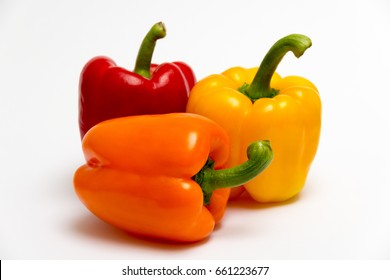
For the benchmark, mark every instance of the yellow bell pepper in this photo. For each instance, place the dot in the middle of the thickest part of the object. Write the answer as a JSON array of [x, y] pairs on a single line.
[[258, 104]]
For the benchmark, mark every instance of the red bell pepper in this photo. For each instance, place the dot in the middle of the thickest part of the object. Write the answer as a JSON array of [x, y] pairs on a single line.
[[107, 91]]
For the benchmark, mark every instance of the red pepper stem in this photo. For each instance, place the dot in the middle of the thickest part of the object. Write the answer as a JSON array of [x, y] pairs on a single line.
[[260, 86], [259, 155], [145, 53]]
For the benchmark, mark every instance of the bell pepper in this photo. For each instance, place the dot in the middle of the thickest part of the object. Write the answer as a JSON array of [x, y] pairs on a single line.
[[258, 103], [108, 91], [160, 176]]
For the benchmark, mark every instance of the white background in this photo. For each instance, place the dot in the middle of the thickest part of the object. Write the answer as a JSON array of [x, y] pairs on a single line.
[[343, 212]]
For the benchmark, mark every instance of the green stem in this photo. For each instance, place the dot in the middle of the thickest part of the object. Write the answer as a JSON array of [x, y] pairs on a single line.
[[260, 86], [145, 53], [259, 155]]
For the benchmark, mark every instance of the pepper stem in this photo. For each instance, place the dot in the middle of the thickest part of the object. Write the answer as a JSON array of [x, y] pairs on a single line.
[[259, 155], [260, 86], [145, 53]]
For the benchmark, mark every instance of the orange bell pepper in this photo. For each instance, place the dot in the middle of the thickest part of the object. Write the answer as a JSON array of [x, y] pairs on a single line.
[[153, 175]]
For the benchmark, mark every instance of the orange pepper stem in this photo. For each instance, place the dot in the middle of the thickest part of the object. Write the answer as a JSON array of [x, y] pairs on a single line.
[[145, 53], [260, 86], [259, 155]]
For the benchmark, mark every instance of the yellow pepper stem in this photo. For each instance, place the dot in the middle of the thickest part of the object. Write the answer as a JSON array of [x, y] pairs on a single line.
[[260, 86]]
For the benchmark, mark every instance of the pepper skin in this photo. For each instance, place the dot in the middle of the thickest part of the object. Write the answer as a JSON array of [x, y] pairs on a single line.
[[257, 103], [107, 91], [147, 174]]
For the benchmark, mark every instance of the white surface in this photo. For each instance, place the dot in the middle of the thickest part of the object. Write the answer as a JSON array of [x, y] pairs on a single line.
[[344, 209]]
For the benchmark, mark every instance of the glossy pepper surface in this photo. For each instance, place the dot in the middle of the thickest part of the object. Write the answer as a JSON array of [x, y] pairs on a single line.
[[108, 91], [154, 175], [257, 103]]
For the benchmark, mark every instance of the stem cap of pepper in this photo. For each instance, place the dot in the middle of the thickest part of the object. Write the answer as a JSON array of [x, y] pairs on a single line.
[[260, 86], [145, 53], [259, 155]]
